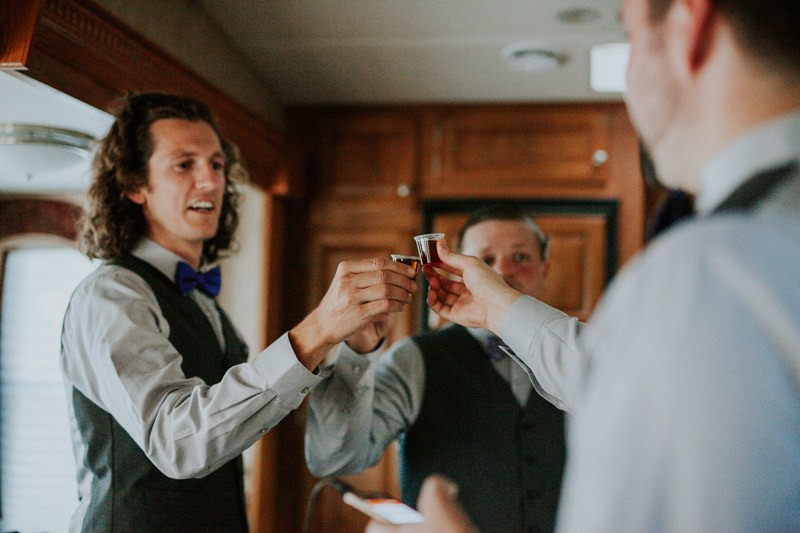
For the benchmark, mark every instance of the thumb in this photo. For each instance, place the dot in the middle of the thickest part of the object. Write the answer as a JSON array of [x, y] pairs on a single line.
[[438, 502], [455, 262]]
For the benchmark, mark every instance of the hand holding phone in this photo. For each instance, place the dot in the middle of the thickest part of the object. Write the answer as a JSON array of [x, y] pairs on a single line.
[[383, 508]]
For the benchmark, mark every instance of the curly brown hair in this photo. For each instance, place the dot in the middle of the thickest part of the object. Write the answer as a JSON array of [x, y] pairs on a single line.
[[113, 224]]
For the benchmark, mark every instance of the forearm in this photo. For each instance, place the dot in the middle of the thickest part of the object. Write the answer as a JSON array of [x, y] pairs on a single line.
[[309, 341], [545, 341], [188, 428]]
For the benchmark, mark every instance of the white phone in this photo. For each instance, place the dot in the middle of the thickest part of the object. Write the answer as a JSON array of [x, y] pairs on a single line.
[[384, 508]]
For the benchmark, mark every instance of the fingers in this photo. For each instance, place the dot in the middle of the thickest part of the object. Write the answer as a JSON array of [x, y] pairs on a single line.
[[437, 501], [443, 514], [373, 279], [379, 527], [373, 264], [453, 262]]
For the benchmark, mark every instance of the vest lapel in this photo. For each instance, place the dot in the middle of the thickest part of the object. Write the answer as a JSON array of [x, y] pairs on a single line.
[[754, 190]]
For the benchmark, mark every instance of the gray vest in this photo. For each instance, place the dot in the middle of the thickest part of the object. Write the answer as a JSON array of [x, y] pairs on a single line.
[[506, 460], [128, 492]]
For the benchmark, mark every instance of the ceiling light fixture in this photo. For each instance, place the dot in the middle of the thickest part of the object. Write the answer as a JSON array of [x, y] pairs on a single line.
[[578, 15], [532, 57], [31, 151]]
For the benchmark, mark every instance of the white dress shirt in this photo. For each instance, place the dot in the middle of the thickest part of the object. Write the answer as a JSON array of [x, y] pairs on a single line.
[[685, 393]]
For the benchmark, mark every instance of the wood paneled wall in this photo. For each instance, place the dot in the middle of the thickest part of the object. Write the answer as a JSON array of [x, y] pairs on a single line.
[[376, 174]]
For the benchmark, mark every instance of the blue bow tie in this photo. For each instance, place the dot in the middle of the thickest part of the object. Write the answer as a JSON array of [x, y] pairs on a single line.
[[496, 348], [187, 278]]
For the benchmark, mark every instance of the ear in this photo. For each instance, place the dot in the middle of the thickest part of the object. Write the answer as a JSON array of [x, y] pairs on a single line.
[[137, 196], [545, 268], [692, 22]]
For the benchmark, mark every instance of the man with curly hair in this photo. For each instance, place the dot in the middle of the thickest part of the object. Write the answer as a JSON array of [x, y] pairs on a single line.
[[161, 395]]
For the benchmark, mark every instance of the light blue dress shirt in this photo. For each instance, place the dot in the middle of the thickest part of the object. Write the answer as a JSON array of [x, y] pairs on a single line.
[[367, 400], [685, 392]]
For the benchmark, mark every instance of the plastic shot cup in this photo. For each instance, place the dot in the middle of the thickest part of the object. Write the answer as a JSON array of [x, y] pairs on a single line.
[[426, 246], [410, 260]]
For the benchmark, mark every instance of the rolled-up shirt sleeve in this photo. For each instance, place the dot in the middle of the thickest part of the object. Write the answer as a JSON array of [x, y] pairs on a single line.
[[116, 351]]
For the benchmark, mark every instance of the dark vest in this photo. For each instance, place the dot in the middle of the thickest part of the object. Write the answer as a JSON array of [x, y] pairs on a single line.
[[758, 189], [507, 461], [128, 492]]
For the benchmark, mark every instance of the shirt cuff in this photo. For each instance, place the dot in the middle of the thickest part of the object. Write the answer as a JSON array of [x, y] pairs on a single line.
[[283, 373], [352, 367], [523, 321]]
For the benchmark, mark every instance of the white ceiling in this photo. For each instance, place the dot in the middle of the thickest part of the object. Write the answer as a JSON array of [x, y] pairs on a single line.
[[398, 51]]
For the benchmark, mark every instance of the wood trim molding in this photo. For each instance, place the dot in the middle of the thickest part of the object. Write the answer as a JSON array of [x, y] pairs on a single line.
[[83, 50], [34, 216], [17, 22]]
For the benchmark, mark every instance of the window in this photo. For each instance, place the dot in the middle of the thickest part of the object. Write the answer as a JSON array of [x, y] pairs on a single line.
[[39, 491]]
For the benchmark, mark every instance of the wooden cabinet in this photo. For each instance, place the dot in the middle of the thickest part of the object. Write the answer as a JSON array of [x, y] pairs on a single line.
[[414, 154], [535, 151], [379, 176], [369, 154]]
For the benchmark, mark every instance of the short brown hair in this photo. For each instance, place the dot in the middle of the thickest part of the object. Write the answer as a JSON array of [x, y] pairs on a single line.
[[769, 30], [509, 212]]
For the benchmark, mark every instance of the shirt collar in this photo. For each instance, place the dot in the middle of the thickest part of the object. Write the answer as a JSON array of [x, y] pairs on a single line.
[[158, 256], [773, 144]]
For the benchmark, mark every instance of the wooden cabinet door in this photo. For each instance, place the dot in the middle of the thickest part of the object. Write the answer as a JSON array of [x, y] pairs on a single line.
[[370, 154], [534, 151]]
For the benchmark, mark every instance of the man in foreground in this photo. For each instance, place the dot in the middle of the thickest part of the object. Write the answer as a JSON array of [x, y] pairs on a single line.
[[686, 391]]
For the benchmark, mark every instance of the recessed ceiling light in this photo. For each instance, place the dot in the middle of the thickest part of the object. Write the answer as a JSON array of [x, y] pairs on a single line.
[[578, 15], [532, 57], [35, 155]]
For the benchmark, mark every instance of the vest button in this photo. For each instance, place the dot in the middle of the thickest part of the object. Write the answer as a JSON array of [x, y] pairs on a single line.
[[532, 494], [531, 460]]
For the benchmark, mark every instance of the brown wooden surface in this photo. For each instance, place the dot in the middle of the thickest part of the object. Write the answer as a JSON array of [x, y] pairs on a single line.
[[82, 50], [38, 216], [17, 24], [534, 151], [468, 152], [369, 154], [359, 155]]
